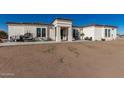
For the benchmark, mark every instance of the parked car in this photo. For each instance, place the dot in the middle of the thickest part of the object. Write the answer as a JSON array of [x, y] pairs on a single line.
[[26, 37]]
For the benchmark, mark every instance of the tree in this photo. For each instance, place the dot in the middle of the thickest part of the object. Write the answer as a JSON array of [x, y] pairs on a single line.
[[3, 35]]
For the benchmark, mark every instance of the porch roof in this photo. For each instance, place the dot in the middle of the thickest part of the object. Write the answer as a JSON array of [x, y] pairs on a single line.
[[65, 19]]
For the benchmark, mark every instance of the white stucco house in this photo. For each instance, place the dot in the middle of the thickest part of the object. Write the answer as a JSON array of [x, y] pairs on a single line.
[[62, 30]]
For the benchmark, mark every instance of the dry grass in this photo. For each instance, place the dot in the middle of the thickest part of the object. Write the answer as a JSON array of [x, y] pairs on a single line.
[[86, 59]]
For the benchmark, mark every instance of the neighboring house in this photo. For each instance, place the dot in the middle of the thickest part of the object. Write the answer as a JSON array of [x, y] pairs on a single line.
[[62, 30], [120, 36]]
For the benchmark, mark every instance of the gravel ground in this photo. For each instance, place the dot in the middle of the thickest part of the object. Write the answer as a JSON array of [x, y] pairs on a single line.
[[81, 59]]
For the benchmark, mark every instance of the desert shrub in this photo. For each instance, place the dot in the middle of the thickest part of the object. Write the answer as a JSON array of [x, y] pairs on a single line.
[[103, 39], [86, 38], [90, 38]]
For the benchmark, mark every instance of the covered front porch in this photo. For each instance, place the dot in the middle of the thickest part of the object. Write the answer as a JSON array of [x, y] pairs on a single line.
[[63, 33]]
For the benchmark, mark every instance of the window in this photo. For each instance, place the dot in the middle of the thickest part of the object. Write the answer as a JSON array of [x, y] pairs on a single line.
[[105, 32], [43, 32], [74, 33], [38, 32], [108, 32]]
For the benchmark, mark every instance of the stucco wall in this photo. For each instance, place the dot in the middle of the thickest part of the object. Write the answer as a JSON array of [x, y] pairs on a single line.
[[98, 33], [30, 29], [113, 33], [89, 32], [52, 33], [17, 30]]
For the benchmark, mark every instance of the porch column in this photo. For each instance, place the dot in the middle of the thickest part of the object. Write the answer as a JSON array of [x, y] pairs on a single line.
[[46, 33], [58, 37], [70, 34]]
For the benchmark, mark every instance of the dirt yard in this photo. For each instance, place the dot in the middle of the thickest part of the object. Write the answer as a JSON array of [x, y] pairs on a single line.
[[86, 59]]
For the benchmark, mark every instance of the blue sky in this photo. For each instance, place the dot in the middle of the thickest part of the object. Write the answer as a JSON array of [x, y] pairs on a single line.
[[78, 19]]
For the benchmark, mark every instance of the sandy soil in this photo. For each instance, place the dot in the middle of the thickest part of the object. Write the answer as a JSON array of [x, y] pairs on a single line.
[[86, 59]]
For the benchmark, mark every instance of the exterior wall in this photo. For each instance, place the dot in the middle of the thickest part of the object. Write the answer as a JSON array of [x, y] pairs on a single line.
[[52, 34], [17, 30], [98, 35], [30, 29], [113, 33], [89, 32]]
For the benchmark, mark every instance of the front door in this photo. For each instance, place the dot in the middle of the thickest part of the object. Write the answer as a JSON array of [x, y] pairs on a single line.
[[64, 34]]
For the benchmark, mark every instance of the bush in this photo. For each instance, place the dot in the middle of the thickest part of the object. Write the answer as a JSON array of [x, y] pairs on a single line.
[[103, 39], [86, 38], [90, 38], [0, 41]]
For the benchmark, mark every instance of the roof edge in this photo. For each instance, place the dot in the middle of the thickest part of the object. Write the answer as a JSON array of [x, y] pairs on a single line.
[[28, 23], [101, 25]]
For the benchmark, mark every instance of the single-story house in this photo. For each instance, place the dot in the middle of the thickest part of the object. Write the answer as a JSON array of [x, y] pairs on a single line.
[[62, 30]]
